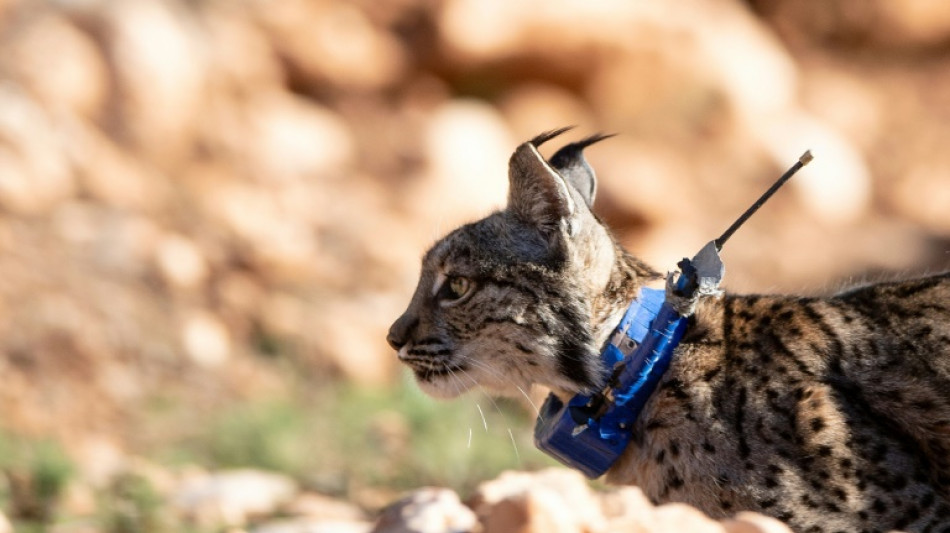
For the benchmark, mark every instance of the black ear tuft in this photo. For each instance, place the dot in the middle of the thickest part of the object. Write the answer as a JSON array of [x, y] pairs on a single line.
[[548, 135], [570, 163], [537, 193]]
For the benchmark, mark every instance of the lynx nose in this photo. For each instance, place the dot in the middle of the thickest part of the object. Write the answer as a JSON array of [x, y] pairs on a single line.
[[400, 331]]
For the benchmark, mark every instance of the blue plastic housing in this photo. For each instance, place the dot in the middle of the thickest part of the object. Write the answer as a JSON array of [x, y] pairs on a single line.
[[589, 437]]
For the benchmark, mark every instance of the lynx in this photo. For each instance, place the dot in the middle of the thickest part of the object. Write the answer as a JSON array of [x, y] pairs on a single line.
[[830, 414]]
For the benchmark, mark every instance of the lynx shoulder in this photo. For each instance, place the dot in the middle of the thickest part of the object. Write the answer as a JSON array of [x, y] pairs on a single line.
[[831, 414]]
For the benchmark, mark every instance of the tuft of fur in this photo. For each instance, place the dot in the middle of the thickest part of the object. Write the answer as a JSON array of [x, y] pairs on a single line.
[[831, 414]]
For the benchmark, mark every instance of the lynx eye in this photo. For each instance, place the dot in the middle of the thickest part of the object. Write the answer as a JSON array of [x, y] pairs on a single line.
[[454, 289]]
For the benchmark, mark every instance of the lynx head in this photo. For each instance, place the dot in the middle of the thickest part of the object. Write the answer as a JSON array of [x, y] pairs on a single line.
[[526, 295]]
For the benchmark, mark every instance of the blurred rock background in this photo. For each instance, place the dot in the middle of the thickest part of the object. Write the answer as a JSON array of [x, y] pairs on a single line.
[[210, 212]]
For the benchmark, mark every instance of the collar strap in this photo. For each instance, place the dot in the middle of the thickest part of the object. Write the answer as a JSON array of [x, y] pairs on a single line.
[[592, 430]]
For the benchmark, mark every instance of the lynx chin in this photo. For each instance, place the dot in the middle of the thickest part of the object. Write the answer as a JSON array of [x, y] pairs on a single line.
[[830, 414]]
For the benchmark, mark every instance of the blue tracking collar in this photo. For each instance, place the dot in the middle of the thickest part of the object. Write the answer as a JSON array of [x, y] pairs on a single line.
[[591, 431]]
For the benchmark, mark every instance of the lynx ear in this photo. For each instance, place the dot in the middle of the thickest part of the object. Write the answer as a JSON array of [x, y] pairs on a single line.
[[537, 193], [570, 163]]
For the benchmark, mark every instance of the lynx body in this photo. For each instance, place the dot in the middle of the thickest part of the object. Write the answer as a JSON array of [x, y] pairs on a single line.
[[831, 414]]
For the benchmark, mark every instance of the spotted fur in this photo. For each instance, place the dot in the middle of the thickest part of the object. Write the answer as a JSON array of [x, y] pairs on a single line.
[[830, 414]]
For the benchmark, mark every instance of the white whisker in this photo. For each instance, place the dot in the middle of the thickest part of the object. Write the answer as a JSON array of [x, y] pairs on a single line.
[[501, 413], [483, 366], [484, 421], [515, 445], [459, 388], [537, 411]]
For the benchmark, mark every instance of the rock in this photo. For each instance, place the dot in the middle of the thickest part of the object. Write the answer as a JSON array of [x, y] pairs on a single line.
[[240, 294], [110, 174], [280, 246], [681, 517], [762, 79], [836, 186], [638, 180], [338, 331], [118, 242], [427, 510], [161, 71], [746, 522], [232, 497], [36, 175], [313, 525], [100, 460], [846, 101], [922, 195], [287, 246], [335, 43], [78, 499], [911, 24], [555, 500], [467, 150], [533, 107], [283, 315], [481, 30], [181, 262], [295, 138], [59, 64], [531, 512], [206, 339], [241, 56], [539, 501], [322, 507], [627, 504]]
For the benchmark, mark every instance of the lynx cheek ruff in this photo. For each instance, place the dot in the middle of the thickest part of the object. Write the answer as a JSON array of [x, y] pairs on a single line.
[[590, 432]]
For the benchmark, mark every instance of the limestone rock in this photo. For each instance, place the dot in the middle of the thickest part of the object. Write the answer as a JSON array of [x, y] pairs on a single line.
[[836, 186], [160, 68], [427, 510], [680, 517], [340, 336], [627, 509], [553, 498], [556, 500], [746, 522], [334, 42], [322, 507], [35, 173], [59, 64], [206, 339], [467, 150], [911, 24], [922, 195], [296, 138], [242, 58], [109, 174], [232, 497], [181, 261], [533, 107], [313, 525]]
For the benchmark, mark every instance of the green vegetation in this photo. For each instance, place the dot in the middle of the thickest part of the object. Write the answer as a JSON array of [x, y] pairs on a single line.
[[342, 438], [35, 475], [405, 439], [131, 505], [334, 439]]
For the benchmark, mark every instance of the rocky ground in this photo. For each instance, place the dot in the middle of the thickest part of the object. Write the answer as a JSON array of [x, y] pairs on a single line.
[[548, 501], [200, 199]]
